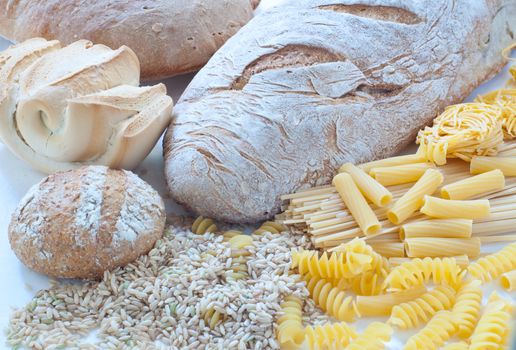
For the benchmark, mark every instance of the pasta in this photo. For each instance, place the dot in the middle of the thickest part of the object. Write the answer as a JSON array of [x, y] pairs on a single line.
[[506, 100], [381, 305], [270, 226], [393, 161], [420, 271], [461, 260], [413, 313], [370, 188], [290, 332], [356, 203], [239, 255], [462, 131], [484, 164], [508, 280], [439, 247], [466, 310], [491, 266], [371, 282], [475, 185], [456, 346], [492, 330], [400, 174], [202, 225], [412, 200], [446, 208], [373, 337], [445, 228], [440, 328], [213, 317], [331, 299], [389, 249], [230, 234], [330, 336]]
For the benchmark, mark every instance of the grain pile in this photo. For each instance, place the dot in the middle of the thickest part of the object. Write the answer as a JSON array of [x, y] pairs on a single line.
[[160, 300]]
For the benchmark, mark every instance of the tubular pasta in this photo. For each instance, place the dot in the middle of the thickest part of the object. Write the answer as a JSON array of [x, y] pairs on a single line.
[[400, 174], [483, 164], [393, 161], [389, 249], [412, 200], [330, 336], [440, 328], [444, 228], [461, 260], [373, 337], [466, 310], [381, 305], [491, 266], [356, 203], [446, 208], [370, 188], [290, 332], [440, 247], [475, 185], [508, 280]]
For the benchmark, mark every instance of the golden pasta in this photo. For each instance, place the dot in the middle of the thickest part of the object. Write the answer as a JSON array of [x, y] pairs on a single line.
[[507, 165], [508, 280], [440, 328], [202, 225], [330, 336], [491, 266], [389, 249], [290, 331], [239, 255], [373, 337], [506, 100], [444, 228], [474, 186], [393, 161], [442, 247], [466, 310], [370, 188], [400, 174], [356, 203], [370, 282], [447, 208], [412, 200], [381, 305], [270, 226], [461, 260]]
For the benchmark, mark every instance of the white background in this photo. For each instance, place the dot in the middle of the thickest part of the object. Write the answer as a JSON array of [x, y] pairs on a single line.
[[19, 284]]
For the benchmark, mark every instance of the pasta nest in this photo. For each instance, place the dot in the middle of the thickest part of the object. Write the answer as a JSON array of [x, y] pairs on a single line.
[[492, 330], [493, 265], [290, 329], [201, 225], [434, 334], [372, 338], [462, 131], [466, 310], [330, 336], [506, 100]]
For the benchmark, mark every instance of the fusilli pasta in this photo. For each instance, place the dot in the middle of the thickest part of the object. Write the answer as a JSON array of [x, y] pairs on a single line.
[[290, 330], [466, 310], [239, 255], [440, 328], [373, 337], [270, 226], [493, 265], [330, 336], [201, 225]]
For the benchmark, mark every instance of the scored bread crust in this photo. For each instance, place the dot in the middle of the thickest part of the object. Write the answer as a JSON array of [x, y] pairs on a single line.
[[169, 37], [327, 82], [80, 223]]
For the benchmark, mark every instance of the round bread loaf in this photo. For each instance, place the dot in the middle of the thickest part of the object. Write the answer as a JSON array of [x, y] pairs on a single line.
[[80, 223]]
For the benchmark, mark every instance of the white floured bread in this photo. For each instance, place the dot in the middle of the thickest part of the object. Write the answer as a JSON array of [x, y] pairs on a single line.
[[169, 36], [80, 223], [312, 84], [62, 108]]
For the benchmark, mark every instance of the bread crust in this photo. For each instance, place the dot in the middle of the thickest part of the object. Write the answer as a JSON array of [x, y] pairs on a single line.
[[328, 82], [169, 37], [80, 223]]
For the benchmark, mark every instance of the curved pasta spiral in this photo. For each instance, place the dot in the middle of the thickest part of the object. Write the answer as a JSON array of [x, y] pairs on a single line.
[[373, 337], [440, 328], [494, 265], [201, 225], [371, 282], [230, 234], [239, 255], [330, 336], [420, 310], [212, 317], [419, 271], [270, 226], [466, 310], [290, 330], [331, 299]]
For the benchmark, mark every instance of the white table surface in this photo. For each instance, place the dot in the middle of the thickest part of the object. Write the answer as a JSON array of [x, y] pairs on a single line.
[[19, 284]]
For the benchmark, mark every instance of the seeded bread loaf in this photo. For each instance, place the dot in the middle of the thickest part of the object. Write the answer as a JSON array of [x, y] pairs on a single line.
[[169, 36], [327, 82], [80, 223]]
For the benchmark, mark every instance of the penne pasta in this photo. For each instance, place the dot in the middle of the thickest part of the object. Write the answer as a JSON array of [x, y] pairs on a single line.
[[356, 203], [393, 161], [461, 260], [388, 249], [381, 305], [483, 164], [370, 188], [475, 185], [412, 200], [444, 228], [508, 280], [445, 208], [423, 247], [400, 174]]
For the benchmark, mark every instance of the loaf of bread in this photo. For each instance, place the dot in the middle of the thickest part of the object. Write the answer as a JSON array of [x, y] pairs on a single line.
[[312, 84], [80, 223], [169, 36]]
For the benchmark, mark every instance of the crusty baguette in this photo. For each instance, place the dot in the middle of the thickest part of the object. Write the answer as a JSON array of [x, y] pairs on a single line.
[[169, 36], [312, 84]]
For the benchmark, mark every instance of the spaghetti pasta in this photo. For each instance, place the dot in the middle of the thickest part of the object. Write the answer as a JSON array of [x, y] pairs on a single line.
[[381, 305], [412, 200], [447, 208], [442, 247], [475, 185], [508, 280], [370, 188], [444, 228], [484, 164], [506, 100], [400, 174]]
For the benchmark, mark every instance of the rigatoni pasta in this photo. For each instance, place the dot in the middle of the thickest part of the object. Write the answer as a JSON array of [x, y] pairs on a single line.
[[356, 203], [475, 185], [422, 247], [389, 249], [461, 260], [483, 164], [412, 200], [447, 208], [508, 280], [393, 161], [370, 188], [445, 228], [381, 305], [400, 174]]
